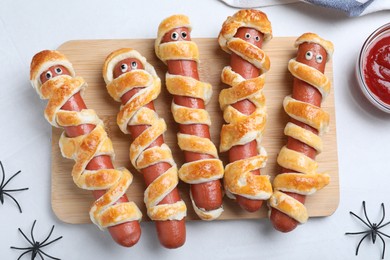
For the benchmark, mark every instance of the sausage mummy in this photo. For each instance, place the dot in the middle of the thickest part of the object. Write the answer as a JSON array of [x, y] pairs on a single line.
[[243, 105], [308, 122], [133, 81], [86, 142], [203, 169]]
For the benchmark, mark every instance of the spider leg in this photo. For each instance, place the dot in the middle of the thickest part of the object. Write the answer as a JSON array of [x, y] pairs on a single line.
[[15, 190], [17, 203], [32, 231], [383, 214], [5, 184], [52, 257], [360, 219], [31, 243], [357, 249], [365, 213], [20, 248], [39, 253], [383, 234], [2, 169], [28, 251], [384, 246], [384, 225], [48, 243], [358, 233], [51, 231]]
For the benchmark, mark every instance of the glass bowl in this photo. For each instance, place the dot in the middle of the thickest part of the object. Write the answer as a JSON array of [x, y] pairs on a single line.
[[379, 34]]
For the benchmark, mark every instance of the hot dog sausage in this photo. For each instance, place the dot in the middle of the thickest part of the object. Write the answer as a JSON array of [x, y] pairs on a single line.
[[306, 93], [247, 71], [171, 233], [314, 55], [126, 234], [242, 36], [206, 195]]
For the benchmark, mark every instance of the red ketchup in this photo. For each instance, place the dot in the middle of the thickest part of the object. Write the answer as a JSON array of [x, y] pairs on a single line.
[[377, 69]]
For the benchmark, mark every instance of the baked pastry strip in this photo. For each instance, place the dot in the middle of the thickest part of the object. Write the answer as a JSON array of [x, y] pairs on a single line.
[[202, 169], [91, 150], [308, 121], [244, 108], [133, 81]]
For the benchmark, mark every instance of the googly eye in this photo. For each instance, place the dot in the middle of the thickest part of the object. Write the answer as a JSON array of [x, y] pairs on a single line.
[[48, 75], [175, 36], [309, 55], [319, 58], [134, 65], [184, 35], [247, 36], [257, 38], [58, 70], [124, 67]]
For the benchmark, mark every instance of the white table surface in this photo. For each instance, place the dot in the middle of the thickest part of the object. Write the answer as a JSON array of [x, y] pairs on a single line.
[[363, 133]]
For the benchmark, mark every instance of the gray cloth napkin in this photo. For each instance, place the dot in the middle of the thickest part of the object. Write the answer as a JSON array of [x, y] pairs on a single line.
[[351, 7]]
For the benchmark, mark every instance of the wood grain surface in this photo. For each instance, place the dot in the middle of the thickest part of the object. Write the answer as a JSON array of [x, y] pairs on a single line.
[[72, 204]]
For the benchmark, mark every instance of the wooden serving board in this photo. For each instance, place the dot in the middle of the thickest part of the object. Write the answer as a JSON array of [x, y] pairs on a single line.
[[72, 204]]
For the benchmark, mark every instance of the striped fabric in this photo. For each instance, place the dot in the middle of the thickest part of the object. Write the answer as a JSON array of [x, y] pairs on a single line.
[[350, 7]]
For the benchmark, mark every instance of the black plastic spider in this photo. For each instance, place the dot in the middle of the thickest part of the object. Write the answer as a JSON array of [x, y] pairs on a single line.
[[6, 192], [36, 246], [373, 229]]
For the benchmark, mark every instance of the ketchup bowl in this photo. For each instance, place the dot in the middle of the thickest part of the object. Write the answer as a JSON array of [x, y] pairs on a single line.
[[373, 68]]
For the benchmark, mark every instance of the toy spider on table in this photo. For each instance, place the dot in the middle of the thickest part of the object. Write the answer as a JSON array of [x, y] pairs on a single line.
[[373, 229], [36, 247], [5, 192]]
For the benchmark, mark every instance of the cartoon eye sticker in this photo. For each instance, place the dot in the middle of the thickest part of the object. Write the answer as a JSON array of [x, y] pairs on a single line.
[[309, 55], [257, 38], [247, 36], [58, 70], [184, 35], [48, 75], [124, 67], [319, 58], [175, 36], [134, 65]]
